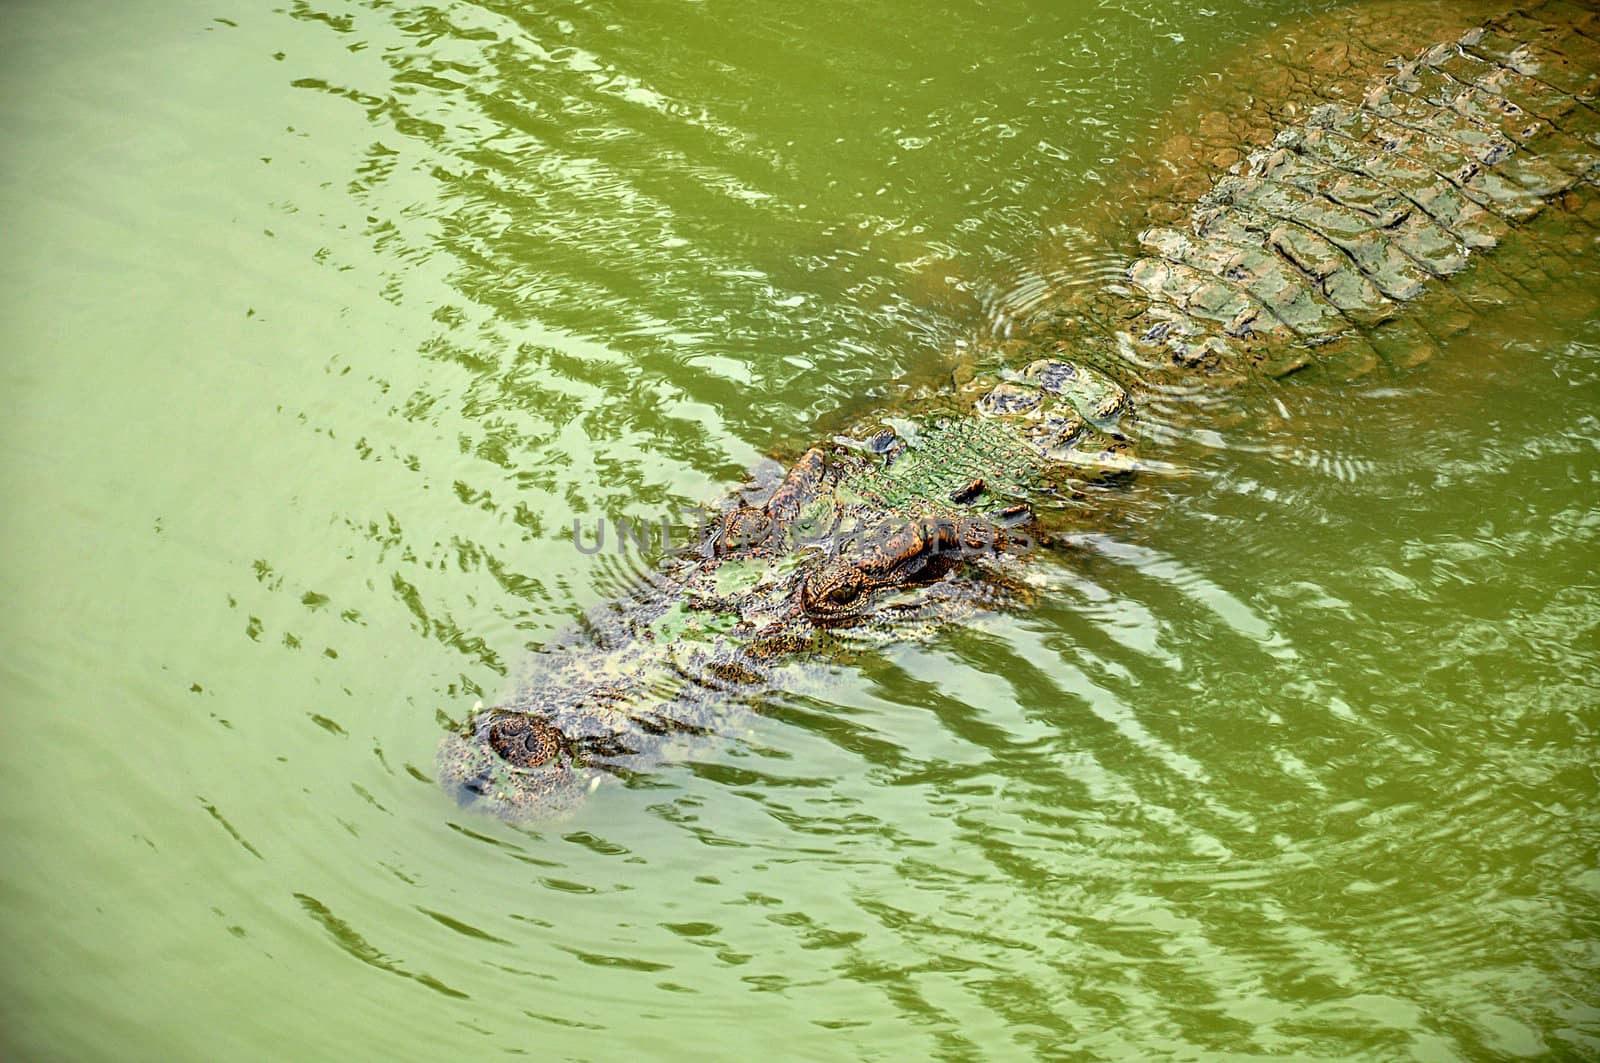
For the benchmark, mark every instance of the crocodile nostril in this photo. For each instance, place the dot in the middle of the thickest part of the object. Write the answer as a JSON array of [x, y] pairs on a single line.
[[523, 741]]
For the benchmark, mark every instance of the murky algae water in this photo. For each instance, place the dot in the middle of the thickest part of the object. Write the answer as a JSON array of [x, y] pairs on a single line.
[[324, 322]]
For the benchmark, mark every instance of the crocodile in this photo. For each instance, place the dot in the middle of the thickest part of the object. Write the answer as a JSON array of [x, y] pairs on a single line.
[[1315, 248]]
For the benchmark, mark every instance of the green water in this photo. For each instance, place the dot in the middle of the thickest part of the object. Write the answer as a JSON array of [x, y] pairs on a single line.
[[323, 322]]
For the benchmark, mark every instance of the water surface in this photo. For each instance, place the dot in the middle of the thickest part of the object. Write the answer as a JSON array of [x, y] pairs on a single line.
[[323, 324]]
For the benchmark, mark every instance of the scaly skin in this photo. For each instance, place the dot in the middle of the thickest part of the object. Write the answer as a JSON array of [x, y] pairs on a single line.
[[1303, 254]]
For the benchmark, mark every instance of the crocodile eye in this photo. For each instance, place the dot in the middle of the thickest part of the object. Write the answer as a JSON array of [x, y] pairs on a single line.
[[844, 593], [832, 590]]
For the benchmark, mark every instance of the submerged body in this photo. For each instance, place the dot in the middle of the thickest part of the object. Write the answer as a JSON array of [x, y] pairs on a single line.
[[1306, 253]]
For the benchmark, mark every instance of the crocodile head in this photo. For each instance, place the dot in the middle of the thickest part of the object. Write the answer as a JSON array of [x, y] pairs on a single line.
[[859, 536], [705, 632]]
